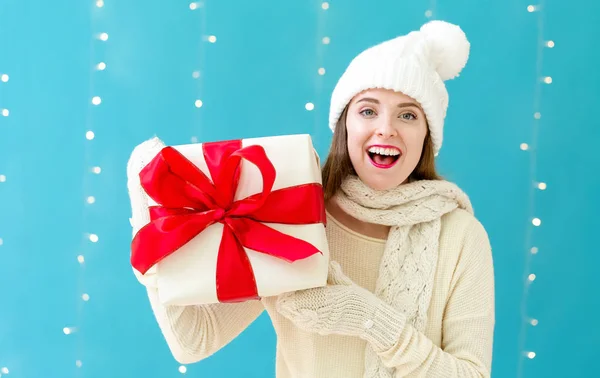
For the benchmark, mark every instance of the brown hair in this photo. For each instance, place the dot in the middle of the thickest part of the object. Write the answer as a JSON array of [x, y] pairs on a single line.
[[338, 164]]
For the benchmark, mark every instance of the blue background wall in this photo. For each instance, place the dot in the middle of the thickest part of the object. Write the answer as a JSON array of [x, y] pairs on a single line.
[[255, 80]]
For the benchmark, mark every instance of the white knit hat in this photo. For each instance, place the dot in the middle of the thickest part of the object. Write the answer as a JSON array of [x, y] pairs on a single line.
[[416, 64]]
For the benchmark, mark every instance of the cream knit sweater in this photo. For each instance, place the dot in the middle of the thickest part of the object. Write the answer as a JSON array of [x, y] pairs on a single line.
[[460, 325]]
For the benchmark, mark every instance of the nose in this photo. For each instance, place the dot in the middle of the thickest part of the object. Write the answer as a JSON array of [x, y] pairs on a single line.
[[386, 129]]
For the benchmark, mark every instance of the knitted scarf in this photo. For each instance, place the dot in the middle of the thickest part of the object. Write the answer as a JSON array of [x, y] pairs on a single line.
[[408, 265]]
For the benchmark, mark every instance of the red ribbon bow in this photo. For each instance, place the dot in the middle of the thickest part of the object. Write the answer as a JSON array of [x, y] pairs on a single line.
[[190, 202]]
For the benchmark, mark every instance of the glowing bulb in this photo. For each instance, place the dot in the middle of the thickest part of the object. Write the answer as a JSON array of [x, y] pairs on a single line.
[[550, 44], [4, 78], [325, 5], [212, 39], [321, 71], [89, 135], [309, 106], [97, 170], [93, 238], [80, 259], [2, 178], [196, 74], [531, 8], [104, 37], [4, 370], [542, 186], [428, 13], [531, 277], [85, 297], [5, 112], [198, 103], [534, 250], [101, 66], [534, 322], [531, 355], [537, 115], [99, 3], [96, 100], [182, 369], [67, 330], [326, 40], [78, 363], [193, 6], [91, 200], [524, 146], [536, 221], [548, 80]]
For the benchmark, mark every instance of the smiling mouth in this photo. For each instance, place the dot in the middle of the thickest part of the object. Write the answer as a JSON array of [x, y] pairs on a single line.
[[384, 156]]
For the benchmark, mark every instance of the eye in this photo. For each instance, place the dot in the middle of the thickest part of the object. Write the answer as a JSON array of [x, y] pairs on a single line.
[[408, 116], [367, 112]]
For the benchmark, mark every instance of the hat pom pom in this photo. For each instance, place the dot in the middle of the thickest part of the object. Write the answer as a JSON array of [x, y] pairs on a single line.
[[449, 48]]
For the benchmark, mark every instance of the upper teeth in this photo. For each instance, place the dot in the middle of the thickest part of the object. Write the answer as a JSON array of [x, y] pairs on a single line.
[[384, 151]]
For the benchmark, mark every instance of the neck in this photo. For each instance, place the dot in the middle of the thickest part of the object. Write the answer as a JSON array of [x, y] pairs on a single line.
[[372, 230]]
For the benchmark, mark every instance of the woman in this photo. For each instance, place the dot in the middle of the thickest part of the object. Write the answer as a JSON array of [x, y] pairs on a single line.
[[411, 283]]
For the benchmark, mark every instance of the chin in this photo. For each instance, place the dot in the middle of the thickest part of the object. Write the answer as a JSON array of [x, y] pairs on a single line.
[[381, 184]]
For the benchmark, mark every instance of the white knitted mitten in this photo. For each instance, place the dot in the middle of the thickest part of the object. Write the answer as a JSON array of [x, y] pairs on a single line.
[[140, 157], [343, 308]]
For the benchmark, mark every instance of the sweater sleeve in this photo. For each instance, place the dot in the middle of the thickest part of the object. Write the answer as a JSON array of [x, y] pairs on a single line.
[[191, 332], [468, 324]]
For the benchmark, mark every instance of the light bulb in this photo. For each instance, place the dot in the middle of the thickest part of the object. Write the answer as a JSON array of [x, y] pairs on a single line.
[[534, 322], [81, 259], [196, 74], [309, 106], [4, 370], [85, 297], [531, 355], [101, 66], [534, 250], [428, 13], [104, 36], [2, 178], [212, 39], [93, 238], [550, 44], [99, 3], [198, 103], [96, 100], [325, 5], [537, 115], [531, 277], [89, 135], [326, 40], [91, 200], [542, 186], [531, 8], [5, 112], [67, 330], [524, 146], [182, 369], [4, 78], [321, 71], [97, 170], [193, 6], [536, 221], [548, 80]]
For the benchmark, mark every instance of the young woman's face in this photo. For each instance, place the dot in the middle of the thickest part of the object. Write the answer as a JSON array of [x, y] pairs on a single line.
[[386, 131]]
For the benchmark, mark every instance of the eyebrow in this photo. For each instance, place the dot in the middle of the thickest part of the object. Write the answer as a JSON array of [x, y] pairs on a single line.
[[401, 105]]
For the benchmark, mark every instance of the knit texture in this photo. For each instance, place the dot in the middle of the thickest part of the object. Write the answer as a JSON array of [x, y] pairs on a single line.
[[408, 266], [455, 342], [415, 64]]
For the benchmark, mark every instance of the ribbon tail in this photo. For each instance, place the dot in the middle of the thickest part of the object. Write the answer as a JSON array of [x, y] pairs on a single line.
[[235, 277], [264, 239], [161, 237]]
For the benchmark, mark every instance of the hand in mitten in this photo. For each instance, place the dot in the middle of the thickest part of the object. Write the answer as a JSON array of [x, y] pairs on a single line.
[[140, 216], [343, 308]]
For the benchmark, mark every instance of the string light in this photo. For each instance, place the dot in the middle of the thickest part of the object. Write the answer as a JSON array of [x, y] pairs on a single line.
[[96, 100], [91, 200], [326, 40], [4, 78], [2, 178], [93, 238], [101, 66], [89, 135], [532, 251], [212, 39], [4, 370], [524, 146], [97, 170], [325, 5], [5, 112], [198, 103], [69, 330], [321, 71], [99, 3], [309, 106], [182, 369], [196, 74], [80, 259], [103, 37], [85, 297], [428, 13]]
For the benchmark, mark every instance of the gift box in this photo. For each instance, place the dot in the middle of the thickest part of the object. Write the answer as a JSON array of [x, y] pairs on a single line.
[[233, 221]]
